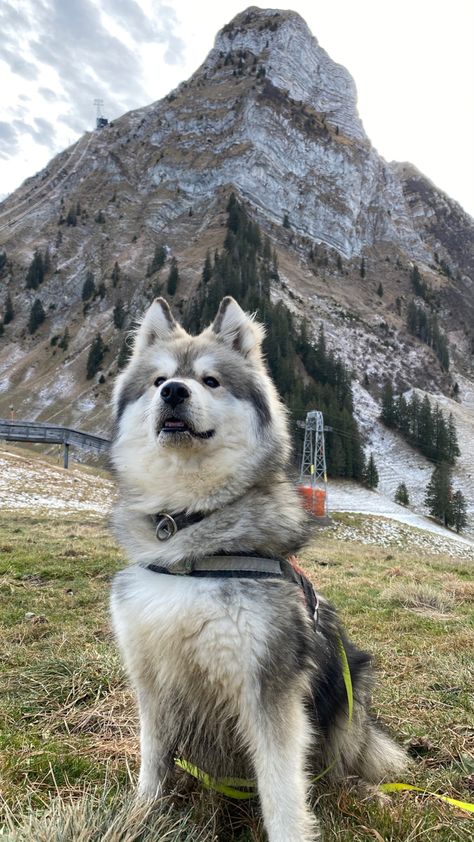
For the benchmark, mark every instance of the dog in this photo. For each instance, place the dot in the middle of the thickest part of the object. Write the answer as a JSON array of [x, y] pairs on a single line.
[[231, 669]]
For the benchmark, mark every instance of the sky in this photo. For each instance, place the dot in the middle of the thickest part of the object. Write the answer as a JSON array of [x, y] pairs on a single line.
[[412, 61]]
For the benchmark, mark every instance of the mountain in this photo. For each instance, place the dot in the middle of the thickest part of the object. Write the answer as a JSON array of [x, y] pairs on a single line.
[[359, 242]]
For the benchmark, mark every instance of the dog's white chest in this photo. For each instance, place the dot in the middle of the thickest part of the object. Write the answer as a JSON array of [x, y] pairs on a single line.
[[179, 625]]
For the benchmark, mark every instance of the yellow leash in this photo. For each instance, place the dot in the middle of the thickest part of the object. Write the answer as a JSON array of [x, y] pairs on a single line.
[[242, 789]]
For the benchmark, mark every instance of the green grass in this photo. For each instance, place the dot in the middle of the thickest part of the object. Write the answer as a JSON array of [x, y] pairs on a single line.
[[68, 724]]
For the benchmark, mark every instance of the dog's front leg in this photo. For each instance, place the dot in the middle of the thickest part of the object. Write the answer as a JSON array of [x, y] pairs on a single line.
[[279, 745], [156, 752]]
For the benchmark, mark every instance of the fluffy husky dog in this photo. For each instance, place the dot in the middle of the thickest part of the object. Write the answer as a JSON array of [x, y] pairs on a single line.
[[230, 671]]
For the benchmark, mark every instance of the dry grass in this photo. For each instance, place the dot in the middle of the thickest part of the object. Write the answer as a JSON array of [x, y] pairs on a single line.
[[68, 739]]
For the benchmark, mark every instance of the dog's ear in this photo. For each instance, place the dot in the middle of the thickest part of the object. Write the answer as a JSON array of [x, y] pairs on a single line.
[[158, 324], [237, 329]]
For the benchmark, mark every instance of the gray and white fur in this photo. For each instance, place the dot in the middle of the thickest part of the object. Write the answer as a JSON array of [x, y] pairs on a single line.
[[229, 673]]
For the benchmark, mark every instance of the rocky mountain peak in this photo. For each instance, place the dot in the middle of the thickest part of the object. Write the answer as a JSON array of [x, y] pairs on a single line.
[[293, 62]]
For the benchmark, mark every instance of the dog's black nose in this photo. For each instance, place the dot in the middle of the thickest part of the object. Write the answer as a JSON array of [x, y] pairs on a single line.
[[174, 393]]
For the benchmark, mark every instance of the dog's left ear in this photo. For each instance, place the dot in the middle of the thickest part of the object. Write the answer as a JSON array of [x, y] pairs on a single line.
[[237, 329]]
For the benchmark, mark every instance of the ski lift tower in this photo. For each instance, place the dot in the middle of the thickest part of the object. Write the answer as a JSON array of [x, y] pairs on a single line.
[[313, 474], [100, 121]]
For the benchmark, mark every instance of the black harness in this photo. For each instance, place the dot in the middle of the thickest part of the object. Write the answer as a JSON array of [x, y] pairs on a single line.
[[233, 565]]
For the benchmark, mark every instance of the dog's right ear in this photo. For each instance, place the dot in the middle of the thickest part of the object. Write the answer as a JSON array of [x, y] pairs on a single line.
[[158, 324]]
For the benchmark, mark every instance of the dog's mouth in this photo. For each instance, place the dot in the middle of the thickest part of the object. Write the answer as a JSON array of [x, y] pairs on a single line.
[[177, 426]]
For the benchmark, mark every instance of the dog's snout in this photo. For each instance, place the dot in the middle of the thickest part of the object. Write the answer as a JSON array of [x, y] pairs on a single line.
[[174, 393]]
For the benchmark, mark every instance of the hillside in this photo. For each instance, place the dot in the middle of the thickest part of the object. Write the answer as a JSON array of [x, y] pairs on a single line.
[[270, 117]]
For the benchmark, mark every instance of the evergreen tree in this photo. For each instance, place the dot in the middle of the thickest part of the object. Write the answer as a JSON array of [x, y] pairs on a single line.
[[452, 447], [119, 314], [95, 357], [71, 218], [402, 415], [88, 288], [9, 313], [388, 414], [124, 354], [371, 476], [207, 268], [47, 261], [401, 495], [459, 511], [173, 278], [286, 221], [426, 428], [35, 274], [380, 290], [362, 268], [37, 316], [3, 260], [440, 440], [115, 274], [438, 496], [2, 329]]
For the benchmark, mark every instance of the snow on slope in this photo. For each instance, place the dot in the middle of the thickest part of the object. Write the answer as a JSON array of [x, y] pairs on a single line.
[[29, 482], [398, 462]]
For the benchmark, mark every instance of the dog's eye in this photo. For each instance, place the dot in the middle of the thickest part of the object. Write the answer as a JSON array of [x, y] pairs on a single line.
[[159, 381], [211, 382]]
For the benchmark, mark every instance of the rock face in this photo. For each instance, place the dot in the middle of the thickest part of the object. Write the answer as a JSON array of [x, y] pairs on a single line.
[[270, 116]]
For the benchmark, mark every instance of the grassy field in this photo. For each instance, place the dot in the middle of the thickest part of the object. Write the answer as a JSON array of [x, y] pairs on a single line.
[[68, 739]]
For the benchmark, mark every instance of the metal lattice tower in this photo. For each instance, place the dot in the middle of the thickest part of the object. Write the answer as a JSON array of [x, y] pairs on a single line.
[[101, 122], [99, 104], [313, 463]]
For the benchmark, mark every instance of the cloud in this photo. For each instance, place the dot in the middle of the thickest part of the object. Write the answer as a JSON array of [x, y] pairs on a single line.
[[48, 94], [90, 61], [43, 132], [8, 140], [17, 64], [76, 54]]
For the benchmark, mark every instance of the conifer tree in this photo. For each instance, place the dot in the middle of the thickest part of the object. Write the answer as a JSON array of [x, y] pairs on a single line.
[[173, 277], [124, 354], [115, 274], [388, 415], [453, 447], [402, 415], [71, 218], [88, 287], [35, 274], [438, 498], [371, 476], [95, 357], [37, 316], [9, 313], [380, 289], [426, 428], [459, 511], [401, 495], [119, 314], [207, 268], [3, 260], [47, 261]]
